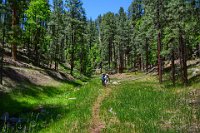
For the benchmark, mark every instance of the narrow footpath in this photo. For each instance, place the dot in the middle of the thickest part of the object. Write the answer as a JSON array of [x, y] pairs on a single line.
[[97, 125]]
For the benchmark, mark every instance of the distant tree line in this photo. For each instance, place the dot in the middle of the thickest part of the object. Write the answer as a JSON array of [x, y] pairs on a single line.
[[150, 34], [147, 35]]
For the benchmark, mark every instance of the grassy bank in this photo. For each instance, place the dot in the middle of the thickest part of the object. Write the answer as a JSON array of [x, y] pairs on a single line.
[[66, 108]]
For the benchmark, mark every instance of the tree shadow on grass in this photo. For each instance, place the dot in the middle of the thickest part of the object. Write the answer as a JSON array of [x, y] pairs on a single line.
[[36, 109], [194, 79], [40, 116], [24, 87], [178, 84], [19, 78], [32, 101], [15, 76], [44, 117], [34, 120], [61, 77], [169, 85], [12, 103]]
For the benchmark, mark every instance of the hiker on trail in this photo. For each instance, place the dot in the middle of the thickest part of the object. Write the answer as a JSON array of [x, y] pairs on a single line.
[[103, 79], [107, 79]]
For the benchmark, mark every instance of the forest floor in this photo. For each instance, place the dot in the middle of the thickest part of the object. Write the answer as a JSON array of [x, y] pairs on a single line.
[[48, 101]]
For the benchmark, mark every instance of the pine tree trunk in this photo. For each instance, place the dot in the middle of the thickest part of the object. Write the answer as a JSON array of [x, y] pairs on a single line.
[[140, 62], [183, 59], [28, 49], [2, 57], [147, 56], [199, 50], [56, 65], [56, 57], [72, 54], [109, 54], [159, 58], [1, 65], [51, 62], [118, 60], [173, 67], [115, 57], [81, 58], [36, 50], [72, 62], [14, 24], [36, 54], [121, 63], [135, 65], [159, 2], [125, 61]]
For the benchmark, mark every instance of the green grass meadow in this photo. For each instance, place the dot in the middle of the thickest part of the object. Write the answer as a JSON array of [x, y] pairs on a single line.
[[144, 106], [140, 106]]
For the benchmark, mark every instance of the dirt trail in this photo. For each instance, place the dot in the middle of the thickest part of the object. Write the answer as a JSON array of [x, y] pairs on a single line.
[[97, 124]]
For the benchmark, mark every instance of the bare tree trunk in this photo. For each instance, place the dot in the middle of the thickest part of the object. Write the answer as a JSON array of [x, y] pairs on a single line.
[[14, 24], [28, 49], [109, 53], [125, 61], [72, 54], [147, 56], [72, 61], [56, 56], [56, 65], [2, 57], [121, 62], [159, 58], [50, 65], [159, 2], [115, 56], [140, 62], [183, 59], [173, 67], [199, 50], [82, 70], [118, 60], [1, 64]]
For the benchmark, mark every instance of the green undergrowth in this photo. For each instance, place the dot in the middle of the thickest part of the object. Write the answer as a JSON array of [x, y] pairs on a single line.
[[66, 108], [144, 106]]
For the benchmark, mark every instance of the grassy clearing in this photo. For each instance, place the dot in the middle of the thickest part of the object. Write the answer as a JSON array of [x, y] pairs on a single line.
[[145, 106], [66, 108], [133, 106]]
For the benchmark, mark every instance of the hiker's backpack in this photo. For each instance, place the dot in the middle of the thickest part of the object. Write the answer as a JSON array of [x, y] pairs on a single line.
[[103, 78]]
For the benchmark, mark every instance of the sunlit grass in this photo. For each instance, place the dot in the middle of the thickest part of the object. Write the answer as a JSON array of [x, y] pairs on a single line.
[[145, 106]]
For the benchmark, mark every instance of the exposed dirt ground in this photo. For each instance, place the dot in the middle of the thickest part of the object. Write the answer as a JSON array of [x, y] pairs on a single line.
[[120, 76], [97, 124], [13, 76]]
